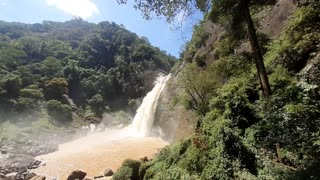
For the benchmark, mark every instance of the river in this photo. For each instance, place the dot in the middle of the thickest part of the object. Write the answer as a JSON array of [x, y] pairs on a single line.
[[98, 151]]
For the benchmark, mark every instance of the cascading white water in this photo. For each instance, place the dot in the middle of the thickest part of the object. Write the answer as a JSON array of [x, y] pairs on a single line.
[[100, 150], [143, 121]]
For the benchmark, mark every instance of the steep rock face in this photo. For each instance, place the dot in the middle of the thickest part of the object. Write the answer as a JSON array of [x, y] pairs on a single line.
[[272, 19], [175, 121]]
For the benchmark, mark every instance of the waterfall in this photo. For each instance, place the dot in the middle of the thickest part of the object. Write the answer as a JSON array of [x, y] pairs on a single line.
[[96, 150], [143, 121]]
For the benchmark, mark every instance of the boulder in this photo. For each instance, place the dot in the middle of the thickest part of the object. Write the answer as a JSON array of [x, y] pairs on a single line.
[[108, 172], [3, 151], [30, 175], [78, 174], [3, 177], [144, 159]]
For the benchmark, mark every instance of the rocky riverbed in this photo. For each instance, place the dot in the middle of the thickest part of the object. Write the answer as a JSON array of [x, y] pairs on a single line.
[[17, 155]]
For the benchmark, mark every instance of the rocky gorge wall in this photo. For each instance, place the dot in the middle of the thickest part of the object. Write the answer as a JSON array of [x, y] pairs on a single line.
[[175, 121]]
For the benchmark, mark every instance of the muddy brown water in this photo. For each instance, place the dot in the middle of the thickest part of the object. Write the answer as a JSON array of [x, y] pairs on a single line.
[[97, 152]]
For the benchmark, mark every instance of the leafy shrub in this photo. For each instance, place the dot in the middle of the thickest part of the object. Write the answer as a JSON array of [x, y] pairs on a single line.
[[298, 40], [24, 103], [28, 99], [198, 86], [56, 88], [290, 119], [236, 100], [128, 170], [97, 105], [200, 60], [123, 173], [231, 66], [59, 111]]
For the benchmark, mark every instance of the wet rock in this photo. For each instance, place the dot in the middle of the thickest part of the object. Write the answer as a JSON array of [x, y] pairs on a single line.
[[30, 176], [108, 172], [13, 174], [3, 177], [97, 177], [144, 159], [78, 174], [38, 178], [4, 171], [34, 165], [3, 151]]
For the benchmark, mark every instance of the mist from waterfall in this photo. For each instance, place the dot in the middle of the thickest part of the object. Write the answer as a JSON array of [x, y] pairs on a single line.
[[137, 140]]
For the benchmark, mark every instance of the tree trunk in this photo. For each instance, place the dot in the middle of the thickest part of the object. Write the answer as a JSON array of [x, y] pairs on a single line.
[[264, 82]]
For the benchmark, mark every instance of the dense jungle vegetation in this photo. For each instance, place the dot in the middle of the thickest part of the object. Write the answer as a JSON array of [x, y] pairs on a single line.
[[74, 66], [243, 133]]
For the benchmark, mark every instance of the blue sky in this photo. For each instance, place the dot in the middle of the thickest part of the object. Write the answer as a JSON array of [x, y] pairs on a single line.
[[159, 33]]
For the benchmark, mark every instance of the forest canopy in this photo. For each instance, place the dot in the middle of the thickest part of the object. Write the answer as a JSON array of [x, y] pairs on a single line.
[[91, 65]]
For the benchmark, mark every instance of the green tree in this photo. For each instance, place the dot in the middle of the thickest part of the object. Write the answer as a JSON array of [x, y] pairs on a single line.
[[199, 87], [11, 84], [236, 10], [24, 103], [32, 46], [12, 57], [53, 66], [26, 75], [97, 105], [239, 12], [56, 88], [35, 94], [59, 111]]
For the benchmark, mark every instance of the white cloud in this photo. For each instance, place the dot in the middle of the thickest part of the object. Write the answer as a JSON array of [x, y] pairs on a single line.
[[80, 8]]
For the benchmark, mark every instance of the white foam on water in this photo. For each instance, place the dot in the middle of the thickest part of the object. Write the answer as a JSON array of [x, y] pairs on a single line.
[[107, 149]]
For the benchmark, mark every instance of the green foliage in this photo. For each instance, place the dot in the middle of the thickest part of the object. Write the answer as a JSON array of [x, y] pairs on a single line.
[[198, 86], [281, 78], [129, 170], [24, 104], [28, 99], [298, 40], [123, 173], [231, 66], [56, 88], [168, 9], [31, 93], [227, 43], [53, 65], [97, 105], [60, 112], [293, 122], [215, 153], [11, 56], [242, 135], [75, 60], [11, 85], [236, 100]]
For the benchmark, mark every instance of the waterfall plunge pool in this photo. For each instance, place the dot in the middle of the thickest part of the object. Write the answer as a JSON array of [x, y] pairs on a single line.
[[98, 151]]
